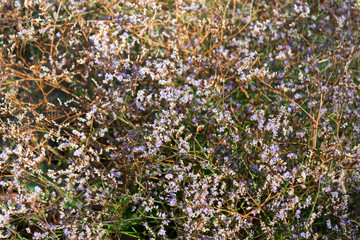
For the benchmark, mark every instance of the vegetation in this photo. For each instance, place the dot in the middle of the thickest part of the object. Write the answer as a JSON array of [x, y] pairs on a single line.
[[180, 119]]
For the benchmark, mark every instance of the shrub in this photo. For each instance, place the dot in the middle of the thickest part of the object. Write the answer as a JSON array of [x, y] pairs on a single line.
[[179, 119]]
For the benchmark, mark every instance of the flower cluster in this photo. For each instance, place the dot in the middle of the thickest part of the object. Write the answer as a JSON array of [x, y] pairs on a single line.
[[179, 119]]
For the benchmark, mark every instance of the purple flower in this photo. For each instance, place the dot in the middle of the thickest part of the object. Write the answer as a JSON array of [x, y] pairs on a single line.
[[66, 231], [286, 175], [328, 223], [37, 235], [116, 174], [254, 117], [169, 176], [37, 189], [254, 168], [162, 232], [189, 210], [335, 194], [158, 143], [172, 201]]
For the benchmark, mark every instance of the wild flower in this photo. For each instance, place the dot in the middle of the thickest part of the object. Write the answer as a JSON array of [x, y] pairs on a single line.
[[219, 120]]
